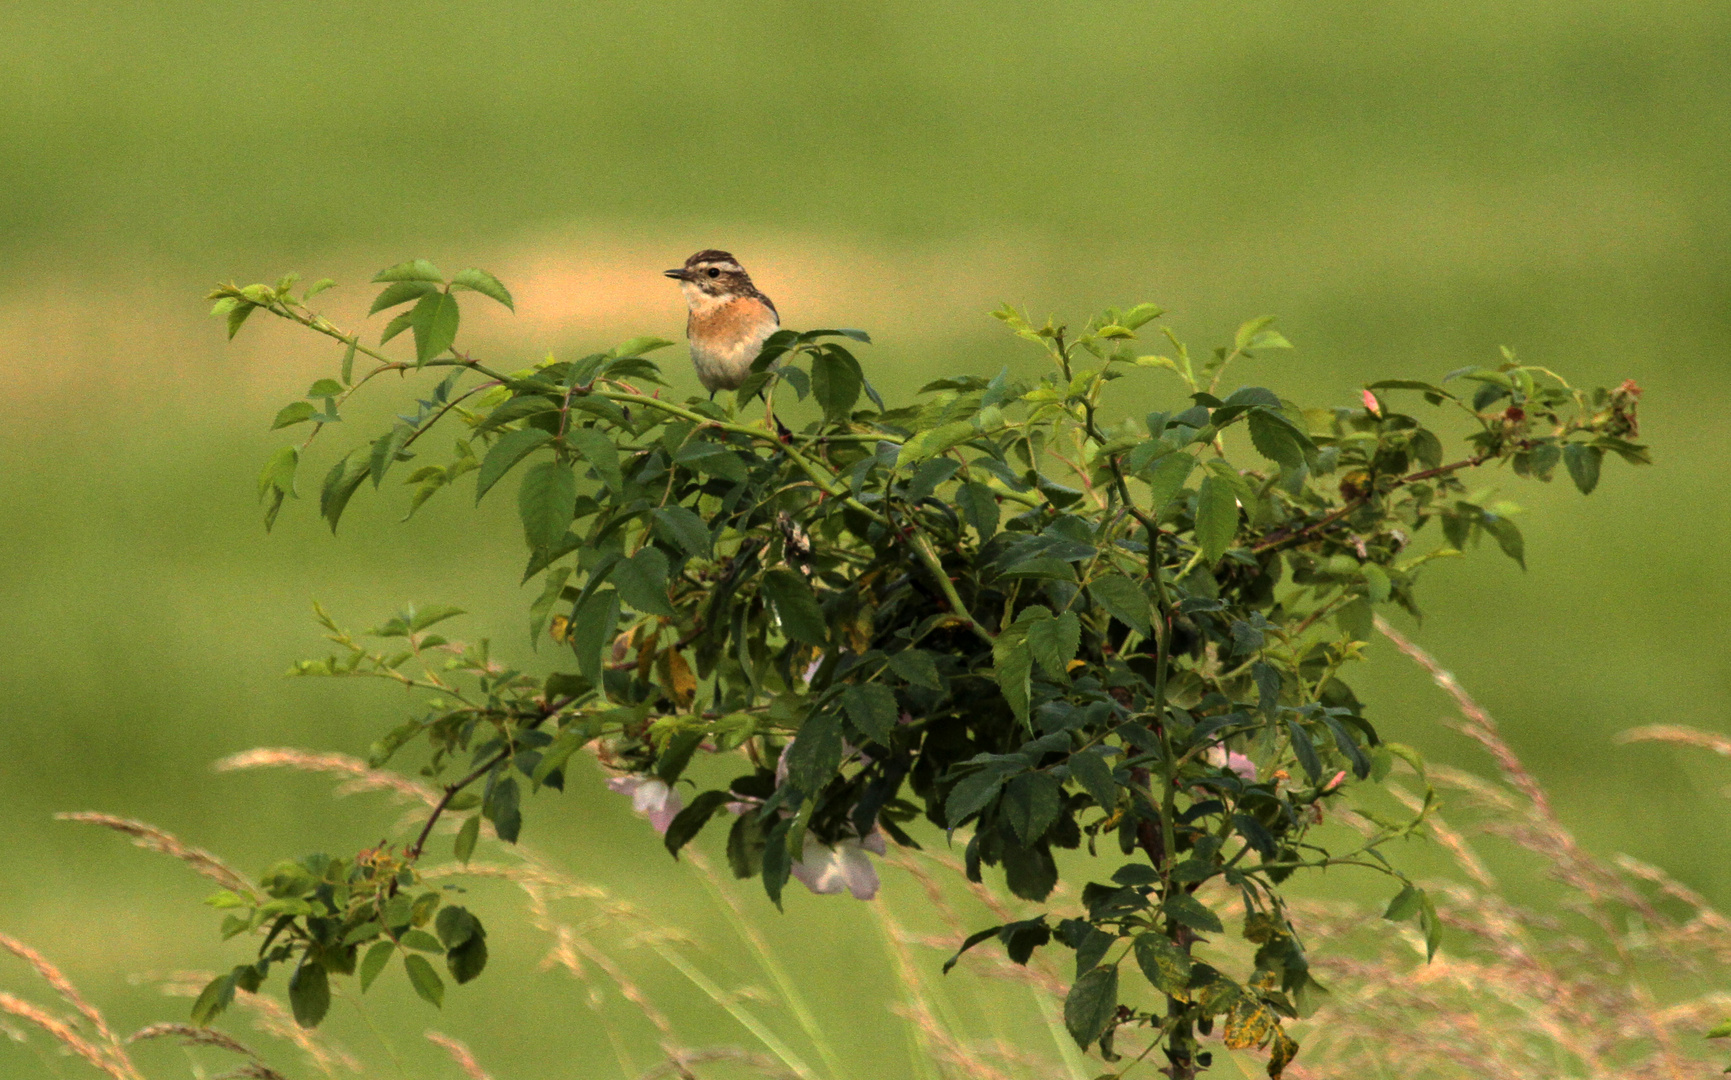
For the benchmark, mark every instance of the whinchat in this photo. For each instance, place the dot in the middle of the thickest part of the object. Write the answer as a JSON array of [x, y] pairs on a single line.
[[728, 320]]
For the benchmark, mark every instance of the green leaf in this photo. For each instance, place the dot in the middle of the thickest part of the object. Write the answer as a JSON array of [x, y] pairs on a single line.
[[1216, 518], [872, 708], [425, 980], [216, 996], [413, 270], [434, 321], [1719, 1030], [1013, 664], [1091, 1004], [1053, 643], [508, 451], [455, 926], [309, 992], [1030, 805], [1095, 776], [1427, 918], [1166, 965], [543, 605], [279, 472], [484, 283], [1183, 908], [972, 793], [1508, 536], [592, 626], [598, 450], [690, 821], [979, 507], [1404, 905], [466, 837], [348, 365], [1167, 478], [420, 941], [237, 317], [1376, 584], [502, 806], [745, 846], [385, 450], [469, 959], [547, 501], [642, 582], [929, 444], [816, 753], [518, 408], [374, 962], [835, 382], [685, 529], [400, 292], [340, 484], [1582, 462], [917, 667], [1275, 440], [295, 412], [1305, 751], [797, 608], [1124, 600]]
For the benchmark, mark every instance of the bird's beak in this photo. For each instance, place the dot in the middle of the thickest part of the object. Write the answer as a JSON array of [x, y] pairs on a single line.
[[678, 275]]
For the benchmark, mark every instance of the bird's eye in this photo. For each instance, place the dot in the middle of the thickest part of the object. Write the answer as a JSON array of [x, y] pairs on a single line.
[[713, 272]]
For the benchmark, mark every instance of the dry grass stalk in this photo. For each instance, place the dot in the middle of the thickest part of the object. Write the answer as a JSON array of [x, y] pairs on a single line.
[[460, 1053], [191, 1036], [268, 1017], [252, 1070], [152, 838], [68, 1036], [61, 984], [362, 776]]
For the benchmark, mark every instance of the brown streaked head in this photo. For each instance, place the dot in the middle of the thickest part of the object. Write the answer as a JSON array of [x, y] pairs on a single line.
[[716, 273]]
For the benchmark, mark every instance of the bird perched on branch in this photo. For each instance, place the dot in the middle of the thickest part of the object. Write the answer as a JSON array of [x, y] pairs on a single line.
[[729, 319]]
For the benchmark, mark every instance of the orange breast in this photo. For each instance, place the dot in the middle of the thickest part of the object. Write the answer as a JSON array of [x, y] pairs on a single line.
[[739, 319]]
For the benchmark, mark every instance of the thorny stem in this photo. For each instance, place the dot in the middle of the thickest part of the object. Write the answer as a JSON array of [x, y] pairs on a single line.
[[1275, 543]]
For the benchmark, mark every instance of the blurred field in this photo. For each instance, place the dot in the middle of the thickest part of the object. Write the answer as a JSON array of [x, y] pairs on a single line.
[[1406, 188]]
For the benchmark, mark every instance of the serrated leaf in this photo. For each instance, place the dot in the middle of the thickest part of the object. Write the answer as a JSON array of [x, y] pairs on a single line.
[[835, 382], [513, 447], [484, 283], [1166, 478], [425, 980], [340, 485], [464, 848], [979, 507], [1583, 464], [797, 608], [816, 753], [1053, 643], [1216, 518], [1124, 600], [1404, 905], [971, 794], [598, 450], [1013, 665], [1275, 440], [1030, 804], [309, 993], [374, 962], [400, 292], [1091, 1004], [546, 502], [872, 708], [1305, 751], [685, 529], [434, 320], [642, 582], [295, 412], [1095, 776], [917, 667], [1185, 909], [1165, 964], [413, 270]]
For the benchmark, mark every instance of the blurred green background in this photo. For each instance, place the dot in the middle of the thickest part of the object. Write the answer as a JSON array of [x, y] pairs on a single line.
[[1407, 186]]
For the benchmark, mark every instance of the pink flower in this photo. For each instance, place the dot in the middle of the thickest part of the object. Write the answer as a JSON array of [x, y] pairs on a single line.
[[827, 870], [1335, 783], [650, 797], [1222, 758]]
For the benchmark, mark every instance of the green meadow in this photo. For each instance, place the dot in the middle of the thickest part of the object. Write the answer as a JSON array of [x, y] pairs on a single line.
[[1408, 188]]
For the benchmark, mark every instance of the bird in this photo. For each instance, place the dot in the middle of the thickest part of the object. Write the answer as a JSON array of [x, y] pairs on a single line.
[[728, 318]]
